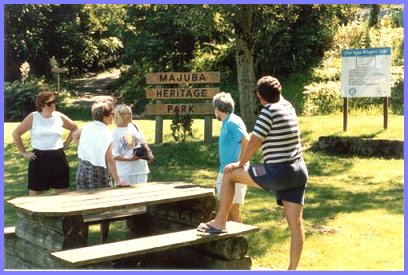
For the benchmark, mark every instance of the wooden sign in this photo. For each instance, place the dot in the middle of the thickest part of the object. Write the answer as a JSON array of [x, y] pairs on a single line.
[[183, 77], [58, 70], [189, 93], [181, 109]]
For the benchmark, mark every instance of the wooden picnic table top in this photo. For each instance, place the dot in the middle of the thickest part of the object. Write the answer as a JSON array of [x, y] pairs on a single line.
[[112, 198]]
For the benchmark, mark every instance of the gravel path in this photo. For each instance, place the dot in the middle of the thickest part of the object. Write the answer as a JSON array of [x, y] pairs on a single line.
[[94, 87]]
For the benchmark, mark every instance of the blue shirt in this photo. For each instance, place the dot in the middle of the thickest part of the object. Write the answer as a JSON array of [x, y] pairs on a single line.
[[232, 131]]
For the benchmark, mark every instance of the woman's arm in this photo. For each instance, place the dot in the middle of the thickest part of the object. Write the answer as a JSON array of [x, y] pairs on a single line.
[[76, 135], [112, 167], [121, 158], [22, 128], [71, 126]]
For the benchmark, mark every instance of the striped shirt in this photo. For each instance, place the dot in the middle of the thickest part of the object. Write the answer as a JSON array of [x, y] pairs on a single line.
[[277, 127]]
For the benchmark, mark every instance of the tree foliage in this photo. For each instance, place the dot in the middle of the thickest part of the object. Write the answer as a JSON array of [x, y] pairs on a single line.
[[80, 37], [281, 40]]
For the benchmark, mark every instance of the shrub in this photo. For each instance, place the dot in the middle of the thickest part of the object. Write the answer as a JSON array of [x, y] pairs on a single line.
[[130, 87], [322, 98], [181, 127], [397, 97], [19, 99]]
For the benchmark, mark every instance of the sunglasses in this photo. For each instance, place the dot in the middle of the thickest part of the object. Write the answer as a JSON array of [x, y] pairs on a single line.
[[50, 103]]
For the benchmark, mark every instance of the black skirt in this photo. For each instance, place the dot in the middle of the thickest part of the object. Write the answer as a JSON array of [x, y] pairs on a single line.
[[50, 169]]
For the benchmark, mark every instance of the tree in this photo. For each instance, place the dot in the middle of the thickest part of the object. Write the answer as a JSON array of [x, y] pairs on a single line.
[[81, 37], [244, 39], [374, 15]]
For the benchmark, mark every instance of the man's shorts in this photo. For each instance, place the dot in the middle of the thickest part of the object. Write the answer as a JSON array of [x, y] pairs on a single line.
[[240, 190], [288, 180]]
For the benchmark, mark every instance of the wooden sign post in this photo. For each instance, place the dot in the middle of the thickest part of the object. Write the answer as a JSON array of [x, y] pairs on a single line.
[[160, 93], [58, 71]]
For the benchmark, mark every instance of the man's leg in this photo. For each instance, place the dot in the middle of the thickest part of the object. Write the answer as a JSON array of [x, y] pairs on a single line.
[[234, 214], [227, 194], [293, 213]]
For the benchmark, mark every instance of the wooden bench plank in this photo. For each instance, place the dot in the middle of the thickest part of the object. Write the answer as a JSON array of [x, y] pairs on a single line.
[[123, 249], [9, 231], [114, 215]]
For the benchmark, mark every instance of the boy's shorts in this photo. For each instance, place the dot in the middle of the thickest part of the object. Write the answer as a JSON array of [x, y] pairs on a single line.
[[240, 190]]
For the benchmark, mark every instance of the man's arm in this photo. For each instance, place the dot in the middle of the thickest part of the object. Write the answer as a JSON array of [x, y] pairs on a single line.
[[253, 145]]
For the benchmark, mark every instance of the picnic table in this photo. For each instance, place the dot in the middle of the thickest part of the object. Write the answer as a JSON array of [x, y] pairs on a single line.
[[50, 230]]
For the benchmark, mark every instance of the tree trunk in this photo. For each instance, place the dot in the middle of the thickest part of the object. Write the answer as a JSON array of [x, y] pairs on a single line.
[[243, 25]]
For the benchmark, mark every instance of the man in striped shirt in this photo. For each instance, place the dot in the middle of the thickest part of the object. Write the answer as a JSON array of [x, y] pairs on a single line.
[[283, 171]]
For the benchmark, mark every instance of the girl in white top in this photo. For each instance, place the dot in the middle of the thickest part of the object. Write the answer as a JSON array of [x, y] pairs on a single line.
[[48, 166], [126, 137]]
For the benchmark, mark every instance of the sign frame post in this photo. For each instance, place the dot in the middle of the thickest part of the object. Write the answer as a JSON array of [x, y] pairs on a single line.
[[386, 100], [345, 113], [366, 73]]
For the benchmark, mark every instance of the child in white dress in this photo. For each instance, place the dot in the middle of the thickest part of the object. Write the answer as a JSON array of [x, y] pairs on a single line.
[[126, 137]]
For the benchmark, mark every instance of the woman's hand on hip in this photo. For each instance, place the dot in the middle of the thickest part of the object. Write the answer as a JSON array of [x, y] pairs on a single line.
[[29, 155]]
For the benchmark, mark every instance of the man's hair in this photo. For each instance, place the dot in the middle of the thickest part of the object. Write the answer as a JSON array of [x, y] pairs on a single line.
[[42, 98], [224, 102], [101, 109], [123, 113], [269, 88]]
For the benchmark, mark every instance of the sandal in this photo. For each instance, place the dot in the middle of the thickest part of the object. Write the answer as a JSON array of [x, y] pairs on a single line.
[[206, 229]]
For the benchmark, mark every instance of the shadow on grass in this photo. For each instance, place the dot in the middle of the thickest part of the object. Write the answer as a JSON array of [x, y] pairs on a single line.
[[182, 161]]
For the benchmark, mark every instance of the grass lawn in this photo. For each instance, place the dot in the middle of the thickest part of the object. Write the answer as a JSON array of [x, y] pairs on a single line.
[[354, 207]]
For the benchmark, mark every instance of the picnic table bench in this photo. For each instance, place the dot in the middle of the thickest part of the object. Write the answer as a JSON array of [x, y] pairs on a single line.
[[163, 217]]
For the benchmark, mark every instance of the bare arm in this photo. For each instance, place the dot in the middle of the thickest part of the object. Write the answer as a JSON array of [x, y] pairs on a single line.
[[21, 129], [69, 125], [244, 143], [112, 167], [126, 159], [76, 135], [150, 155], [252, 146]]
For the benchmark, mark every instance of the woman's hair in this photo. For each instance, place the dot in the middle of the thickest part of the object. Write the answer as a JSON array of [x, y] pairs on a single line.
[[101, 109], [41, 99], [224, 102], [269, 88], [123, 114]]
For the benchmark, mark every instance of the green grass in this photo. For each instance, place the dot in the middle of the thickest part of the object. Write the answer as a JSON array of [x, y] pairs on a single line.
[[354, 217]]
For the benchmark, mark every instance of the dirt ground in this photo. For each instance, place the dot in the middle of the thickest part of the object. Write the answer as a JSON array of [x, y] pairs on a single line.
[[94, 87]]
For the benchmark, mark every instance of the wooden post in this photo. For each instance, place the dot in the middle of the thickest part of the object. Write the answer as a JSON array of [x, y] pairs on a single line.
[[208, 129], [385, 113], [159, 128], [58, 71], [345, 113], [58, 82]]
